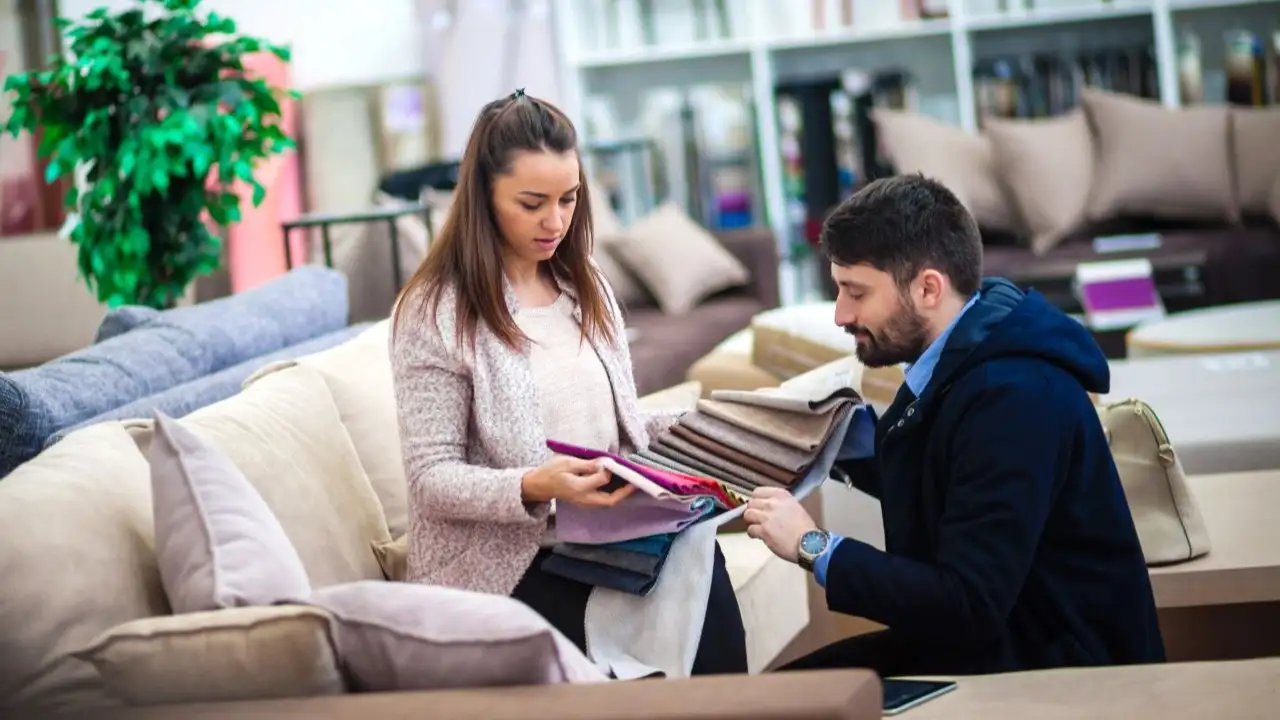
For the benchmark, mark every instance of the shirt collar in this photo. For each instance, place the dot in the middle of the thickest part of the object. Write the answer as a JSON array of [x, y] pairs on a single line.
[[919, 373]]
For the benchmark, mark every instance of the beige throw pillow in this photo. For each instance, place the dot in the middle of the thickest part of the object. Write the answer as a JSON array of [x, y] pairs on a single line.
[[1047, 166], [678, 260], [225, 655], [393, 556], [358, 375], [1255, 136], [285, 433], [1153, 161], [217, 543], [403, 636], [961, 160], [606, 226], [78, 559]]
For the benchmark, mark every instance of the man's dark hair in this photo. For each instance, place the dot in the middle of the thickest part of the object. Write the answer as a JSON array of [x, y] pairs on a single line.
[[902, 225]]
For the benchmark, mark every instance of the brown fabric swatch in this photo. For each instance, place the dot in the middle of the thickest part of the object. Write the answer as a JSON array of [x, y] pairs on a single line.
[[711, 459], [704, 470], [737, 457], [767, 449]]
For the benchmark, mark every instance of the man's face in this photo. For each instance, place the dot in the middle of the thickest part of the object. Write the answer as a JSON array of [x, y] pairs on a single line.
[[874, 310]]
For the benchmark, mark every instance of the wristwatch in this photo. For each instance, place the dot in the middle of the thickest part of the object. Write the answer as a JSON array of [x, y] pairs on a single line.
[[812, 544]]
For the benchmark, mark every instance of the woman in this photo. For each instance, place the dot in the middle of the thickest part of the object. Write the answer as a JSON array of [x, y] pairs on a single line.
[[505, 336]]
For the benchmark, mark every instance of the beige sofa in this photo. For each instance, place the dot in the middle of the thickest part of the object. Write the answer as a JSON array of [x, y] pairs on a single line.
[[318, 439]]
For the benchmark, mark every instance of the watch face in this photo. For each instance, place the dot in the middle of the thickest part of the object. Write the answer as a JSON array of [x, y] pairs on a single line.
[[813, 542]]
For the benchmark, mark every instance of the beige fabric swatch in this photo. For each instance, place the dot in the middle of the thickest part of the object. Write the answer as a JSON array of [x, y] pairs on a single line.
[[800, 430], [767, 449]]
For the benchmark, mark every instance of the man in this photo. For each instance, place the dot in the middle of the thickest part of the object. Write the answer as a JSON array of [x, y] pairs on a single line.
[[1009, 543]]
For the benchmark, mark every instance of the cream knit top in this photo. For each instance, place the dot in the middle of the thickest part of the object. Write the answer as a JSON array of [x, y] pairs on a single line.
[[574, 393]]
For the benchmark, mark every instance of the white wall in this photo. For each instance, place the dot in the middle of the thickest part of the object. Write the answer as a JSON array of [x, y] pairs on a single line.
[[486, 51], [335, 42], [473, 57]]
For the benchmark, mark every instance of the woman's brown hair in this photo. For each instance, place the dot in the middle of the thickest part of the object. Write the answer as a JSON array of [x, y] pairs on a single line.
[[466, 254]]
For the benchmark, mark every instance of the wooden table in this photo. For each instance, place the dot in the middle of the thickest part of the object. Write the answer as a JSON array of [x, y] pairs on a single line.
[[1240, 690], [1226, 605], [1243, 564]]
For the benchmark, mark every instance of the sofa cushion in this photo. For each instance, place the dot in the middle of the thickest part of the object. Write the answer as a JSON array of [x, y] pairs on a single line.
[[302, 304], [175, 347], [285, 434], [1152, 161], [961, 160], [682, 397], [248, 653], [1256, 156], [180, 400], [36, 403], [358, 374], [78, 559], [123, 319], [729, 367], [217, 543], [1047, 166], [678, 261], [667, 345], [404, 636]]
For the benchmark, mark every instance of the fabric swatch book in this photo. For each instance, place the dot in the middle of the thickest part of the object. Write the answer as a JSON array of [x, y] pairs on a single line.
[[655, 482], [818, 472], [680, 491]]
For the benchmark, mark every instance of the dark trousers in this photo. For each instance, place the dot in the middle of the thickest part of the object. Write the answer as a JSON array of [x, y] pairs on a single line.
[[873, 651], [722, 649]]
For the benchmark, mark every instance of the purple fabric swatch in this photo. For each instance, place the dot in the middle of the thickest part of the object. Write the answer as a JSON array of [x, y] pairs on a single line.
[[638, 516], [1122, 294], [670, 481]]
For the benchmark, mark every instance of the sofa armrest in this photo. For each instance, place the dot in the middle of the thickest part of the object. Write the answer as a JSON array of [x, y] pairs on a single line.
[[757, 248], [810, 695]]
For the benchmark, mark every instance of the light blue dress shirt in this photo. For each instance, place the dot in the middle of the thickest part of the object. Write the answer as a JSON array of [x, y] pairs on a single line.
[[859, 442]]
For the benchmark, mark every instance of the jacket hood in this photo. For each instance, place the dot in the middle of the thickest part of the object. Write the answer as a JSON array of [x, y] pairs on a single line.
[[1006, 322]]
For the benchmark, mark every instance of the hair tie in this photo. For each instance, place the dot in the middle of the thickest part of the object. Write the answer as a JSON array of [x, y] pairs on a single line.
[[519, 93]]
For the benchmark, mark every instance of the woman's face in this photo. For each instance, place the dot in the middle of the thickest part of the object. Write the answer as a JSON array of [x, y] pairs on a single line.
[[534, 203]]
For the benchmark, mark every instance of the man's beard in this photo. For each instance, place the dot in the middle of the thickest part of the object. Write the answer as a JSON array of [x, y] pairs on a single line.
[[902, 339]]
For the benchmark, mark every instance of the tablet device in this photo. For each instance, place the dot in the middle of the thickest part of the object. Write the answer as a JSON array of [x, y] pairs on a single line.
[[902, 695]]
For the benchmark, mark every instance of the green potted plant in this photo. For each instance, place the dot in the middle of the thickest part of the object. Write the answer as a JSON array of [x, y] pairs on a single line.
[[154, 120]]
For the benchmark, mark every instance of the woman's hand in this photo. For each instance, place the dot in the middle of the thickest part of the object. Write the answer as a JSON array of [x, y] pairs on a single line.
[[572, 480]]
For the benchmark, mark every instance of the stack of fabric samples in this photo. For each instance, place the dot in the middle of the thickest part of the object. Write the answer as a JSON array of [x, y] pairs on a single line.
[[624, 547], [705, 465], [750, 439]]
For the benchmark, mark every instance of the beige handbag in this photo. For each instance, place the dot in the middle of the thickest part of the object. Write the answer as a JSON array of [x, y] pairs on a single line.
[[1169, 524]]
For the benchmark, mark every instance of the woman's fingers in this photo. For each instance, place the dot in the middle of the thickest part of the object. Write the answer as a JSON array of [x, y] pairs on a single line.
[[579, 466]]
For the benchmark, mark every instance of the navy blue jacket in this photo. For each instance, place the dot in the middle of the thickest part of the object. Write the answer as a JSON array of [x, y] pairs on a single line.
[[1009, 542]]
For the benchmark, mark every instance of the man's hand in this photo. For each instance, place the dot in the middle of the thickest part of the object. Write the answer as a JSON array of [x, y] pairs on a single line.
[[775, 516]]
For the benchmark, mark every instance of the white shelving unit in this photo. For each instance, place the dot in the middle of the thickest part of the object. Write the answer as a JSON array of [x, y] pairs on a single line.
[[773, 41]]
